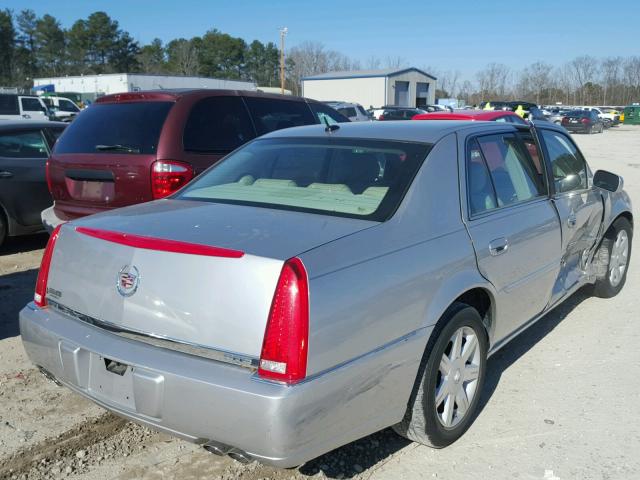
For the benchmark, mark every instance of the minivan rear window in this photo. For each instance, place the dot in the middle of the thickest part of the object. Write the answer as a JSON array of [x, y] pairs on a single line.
[[115, 128], [356, 178]]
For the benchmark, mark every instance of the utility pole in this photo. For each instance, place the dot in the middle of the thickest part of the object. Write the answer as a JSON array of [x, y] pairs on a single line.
[[283, 33]]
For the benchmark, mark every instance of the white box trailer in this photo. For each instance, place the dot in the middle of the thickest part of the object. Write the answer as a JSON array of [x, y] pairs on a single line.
[[108, 83]]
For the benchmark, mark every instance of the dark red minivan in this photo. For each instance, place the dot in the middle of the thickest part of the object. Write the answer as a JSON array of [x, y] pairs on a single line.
[[135, 147]]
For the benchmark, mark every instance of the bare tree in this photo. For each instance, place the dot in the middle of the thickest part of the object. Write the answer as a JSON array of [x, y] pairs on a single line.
[[395, 61], [373, 63], [534, 80], [584, 68], [493, 80]]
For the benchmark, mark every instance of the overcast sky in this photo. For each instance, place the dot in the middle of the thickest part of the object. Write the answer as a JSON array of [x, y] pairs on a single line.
[[449, 35]]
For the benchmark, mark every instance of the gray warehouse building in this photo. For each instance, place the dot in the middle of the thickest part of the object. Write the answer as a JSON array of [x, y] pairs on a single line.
[[409, 87]]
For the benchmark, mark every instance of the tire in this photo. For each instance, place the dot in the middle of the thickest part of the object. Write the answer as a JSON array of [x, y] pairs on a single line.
[[3, 228], [424, 421], [611, 254]]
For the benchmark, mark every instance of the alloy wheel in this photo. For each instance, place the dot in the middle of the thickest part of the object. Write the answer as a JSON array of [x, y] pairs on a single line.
[[458, 373], [619, 258]]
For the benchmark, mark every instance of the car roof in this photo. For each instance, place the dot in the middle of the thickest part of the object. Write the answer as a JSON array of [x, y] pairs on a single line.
[[174, 94], [28, 125], [466, 115], [407, 130]]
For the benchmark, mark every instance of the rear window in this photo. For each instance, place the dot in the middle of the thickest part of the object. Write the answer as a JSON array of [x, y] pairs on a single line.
[[116, 128], [578, 114], [271, 114], [9, 105], [364, 179]]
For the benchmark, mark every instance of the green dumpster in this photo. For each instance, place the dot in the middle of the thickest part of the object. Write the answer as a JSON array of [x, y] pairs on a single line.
[[632, 115]]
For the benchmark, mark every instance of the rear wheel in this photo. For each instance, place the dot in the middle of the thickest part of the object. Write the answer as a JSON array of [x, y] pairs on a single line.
[[450, 379], [614, 252]]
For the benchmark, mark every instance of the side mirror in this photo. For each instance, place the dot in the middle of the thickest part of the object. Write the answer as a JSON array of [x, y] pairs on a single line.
[[608, 181]]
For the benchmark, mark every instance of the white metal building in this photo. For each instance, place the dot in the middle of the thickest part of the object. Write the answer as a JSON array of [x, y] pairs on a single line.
[[133, 82], [409, 87]]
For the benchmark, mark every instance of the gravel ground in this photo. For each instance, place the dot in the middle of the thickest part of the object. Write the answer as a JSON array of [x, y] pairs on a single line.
[[561, 401]]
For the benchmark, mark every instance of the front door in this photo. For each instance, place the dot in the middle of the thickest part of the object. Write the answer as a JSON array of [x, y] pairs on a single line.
[[23, 187], [578, 204], [513, 226]]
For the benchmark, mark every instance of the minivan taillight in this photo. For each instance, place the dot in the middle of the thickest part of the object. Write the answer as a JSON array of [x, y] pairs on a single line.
[[285, 345], [40, 295], [167, 176], [585, 120]]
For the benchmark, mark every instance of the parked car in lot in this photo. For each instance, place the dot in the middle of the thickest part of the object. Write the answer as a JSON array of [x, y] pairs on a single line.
[[24, 149], [474, 115], [22, 107], [400, 114], [583, 121], [376, 112], [135, 147], [320, 284], [61, 108], [353, 111]]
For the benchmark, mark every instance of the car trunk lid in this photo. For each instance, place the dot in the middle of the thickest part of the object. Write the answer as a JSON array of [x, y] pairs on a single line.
[[211, 285]]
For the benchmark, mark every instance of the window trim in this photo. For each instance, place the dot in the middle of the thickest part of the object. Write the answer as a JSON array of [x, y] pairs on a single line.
[[477, 216], [39, 131], [547, 160]]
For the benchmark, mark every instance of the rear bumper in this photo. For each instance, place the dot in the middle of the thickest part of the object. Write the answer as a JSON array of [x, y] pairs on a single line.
[[201, 400], [50, 219]]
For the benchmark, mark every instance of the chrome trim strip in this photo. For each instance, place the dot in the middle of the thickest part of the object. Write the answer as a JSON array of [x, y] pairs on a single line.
[[160, 341]]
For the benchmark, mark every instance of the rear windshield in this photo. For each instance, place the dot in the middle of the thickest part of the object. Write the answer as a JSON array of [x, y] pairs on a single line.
[[578, 114], [356, 178], [115, 128]]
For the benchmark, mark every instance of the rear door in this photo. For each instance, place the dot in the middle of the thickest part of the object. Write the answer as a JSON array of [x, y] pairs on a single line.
[[578, 204], [215, 126], [23, 187], [513, 225], [33, 109]]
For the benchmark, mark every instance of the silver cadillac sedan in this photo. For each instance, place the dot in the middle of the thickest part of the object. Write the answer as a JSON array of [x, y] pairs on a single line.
[[320, 284]]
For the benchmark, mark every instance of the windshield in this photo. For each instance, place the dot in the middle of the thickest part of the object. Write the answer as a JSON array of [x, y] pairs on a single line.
[[342, 177], [116, 128]]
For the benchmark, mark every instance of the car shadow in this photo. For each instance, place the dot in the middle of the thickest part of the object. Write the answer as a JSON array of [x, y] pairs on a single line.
[[520, 345], [16, 290], [24, 243], [358, 456]]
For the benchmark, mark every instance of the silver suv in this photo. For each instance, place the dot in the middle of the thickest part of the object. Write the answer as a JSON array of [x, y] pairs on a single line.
[[353, 111]]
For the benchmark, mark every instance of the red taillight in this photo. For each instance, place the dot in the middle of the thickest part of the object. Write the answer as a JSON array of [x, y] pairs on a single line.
[[565, 120], [167, 176], [381, 117], [40, 296], [285, 346], [585, 120]]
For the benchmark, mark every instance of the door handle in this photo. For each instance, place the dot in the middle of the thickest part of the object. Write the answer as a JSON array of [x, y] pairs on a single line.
[[498, 246], [571, 220], [6, 174], [25, 115]]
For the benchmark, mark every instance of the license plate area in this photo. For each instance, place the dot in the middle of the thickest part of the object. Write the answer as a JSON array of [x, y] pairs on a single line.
[[112, 381]]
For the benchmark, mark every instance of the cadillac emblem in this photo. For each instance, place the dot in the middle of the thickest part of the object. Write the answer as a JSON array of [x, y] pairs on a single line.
[[128, 280]]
